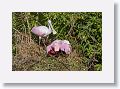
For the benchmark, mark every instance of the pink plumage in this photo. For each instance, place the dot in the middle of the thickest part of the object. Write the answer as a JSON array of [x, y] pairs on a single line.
[[43, 31], [65, 47], [59, 45]]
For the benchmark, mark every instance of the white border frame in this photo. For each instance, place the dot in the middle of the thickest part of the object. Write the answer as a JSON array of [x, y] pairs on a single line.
[[104, 76]]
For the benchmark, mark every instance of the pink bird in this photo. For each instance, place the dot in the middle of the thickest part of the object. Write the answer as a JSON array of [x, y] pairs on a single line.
[[59, 45], [43, 31], [65, 46]]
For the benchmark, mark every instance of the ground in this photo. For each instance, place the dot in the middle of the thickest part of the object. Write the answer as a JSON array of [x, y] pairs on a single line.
[[83, 30]]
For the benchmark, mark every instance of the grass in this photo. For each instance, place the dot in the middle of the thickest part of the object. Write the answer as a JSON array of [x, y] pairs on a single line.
[[83, 30]]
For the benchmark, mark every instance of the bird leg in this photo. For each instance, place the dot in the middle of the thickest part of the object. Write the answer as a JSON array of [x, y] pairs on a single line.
[[39, 40], [44, 41]]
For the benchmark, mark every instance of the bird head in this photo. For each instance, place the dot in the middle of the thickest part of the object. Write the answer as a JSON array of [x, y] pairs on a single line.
[[49, 21], [51, 27]]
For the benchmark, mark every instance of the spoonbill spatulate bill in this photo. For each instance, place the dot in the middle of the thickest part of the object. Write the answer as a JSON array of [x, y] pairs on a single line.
[[58, 46], [43, 31]]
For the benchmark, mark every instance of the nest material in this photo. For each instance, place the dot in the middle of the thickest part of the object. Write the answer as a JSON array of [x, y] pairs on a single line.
[[32, 57]]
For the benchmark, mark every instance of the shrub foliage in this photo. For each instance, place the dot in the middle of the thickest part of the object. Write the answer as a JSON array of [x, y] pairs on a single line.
[[82, 29]]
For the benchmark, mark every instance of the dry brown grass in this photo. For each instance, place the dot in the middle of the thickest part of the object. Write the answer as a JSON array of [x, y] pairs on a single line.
[[83, 30], [32, 57]]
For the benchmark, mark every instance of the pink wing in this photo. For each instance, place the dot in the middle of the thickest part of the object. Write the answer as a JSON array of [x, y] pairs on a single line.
[[66, 48], [58, 45], [54, 46], [38, 31]]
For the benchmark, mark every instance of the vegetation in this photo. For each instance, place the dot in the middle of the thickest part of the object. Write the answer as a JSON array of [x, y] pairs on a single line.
[[83, 30]]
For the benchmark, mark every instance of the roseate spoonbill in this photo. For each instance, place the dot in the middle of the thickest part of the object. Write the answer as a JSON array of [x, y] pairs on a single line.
[[59, 45], [43, 31], [65, 46]]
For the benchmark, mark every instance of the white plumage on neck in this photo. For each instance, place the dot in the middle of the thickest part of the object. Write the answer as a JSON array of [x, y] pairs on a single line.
[[51, 27]]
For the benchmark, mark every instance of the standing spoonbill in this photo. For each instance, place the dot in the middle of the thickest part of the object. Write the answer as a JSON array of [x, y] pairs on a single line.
[[43, 31]]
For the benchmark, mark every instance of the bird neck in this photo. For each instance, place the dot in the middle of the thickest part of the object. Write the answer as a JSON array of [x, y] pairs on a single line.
[[51, 28]]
